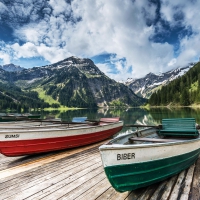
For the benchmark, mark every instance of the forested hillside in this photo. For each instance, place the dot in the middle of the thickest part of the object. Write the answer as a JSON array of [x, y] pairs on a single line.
[[14, 98], [72, 82], [182, 91]]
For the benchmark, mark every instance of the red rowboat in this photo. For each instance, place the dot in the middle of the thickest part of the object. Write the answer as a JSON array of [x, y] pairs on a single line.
[[19, 140]]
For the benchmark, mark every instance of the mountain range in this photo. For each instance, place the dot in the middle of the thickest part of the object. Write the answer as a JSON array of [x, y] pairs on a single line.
[[76, 82], [11, 67], [72, 82], [145, 86]]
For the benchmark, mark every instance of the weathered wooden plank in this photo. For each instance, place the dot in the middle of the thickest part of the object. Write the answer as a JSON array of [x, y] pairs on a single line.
[[22, 184], [195, 188], [47, 181], [177, 186], [120, 196], [42, 161], [73, 194], [159, 191], [96, 191], [136, 194], [34, 179], [168, 188], [188, 182], [50, 168], [107, 194], [48, 189], [147, 193], [68, 185], [7, 162], [43, 156], [79, 175]]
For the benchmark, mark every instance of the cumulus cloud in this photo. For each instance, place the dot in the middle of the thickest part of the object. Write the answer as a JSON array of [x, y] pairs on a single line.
[[5, 53], [189, 49], [56, 29], [59, 6], [3, 8], [117, 68], [27, 50], [5, 57]]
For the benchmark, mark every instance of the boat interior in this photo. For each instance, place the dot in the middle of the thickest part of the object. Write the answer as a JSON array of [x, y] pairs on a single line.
[[171, 130], [42, 125], [38, 124], [146, 136]]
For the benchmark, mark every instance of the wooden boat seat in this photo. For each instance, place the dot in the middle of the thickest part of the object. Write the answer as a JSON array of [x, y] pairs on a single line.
[[152, 140], [179, 127]]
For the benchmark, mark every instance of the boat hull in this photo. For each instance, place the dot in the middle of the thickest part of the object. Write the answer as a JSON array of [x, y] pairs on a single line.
[[24, 142], [132, 168]]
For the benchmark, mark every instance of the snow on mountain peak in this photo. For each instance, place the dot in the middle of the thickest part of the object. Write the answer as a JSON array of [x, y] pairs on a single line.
[[143, 87]]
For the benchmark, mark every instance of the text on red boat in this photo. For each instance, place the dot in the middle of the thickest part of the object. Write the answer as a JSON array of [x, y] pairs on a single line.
[[12, 136]]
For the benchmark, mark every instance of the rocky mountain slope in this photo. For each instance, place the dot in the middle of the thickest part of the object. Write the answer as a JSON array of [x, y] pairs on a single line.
[[11, 67], [145, 86], [73, 82]]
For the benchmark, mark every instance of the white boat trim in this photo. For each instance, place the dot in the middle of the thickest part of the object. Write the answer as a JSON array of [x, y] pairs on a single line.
[[29, 134], [119, 154]]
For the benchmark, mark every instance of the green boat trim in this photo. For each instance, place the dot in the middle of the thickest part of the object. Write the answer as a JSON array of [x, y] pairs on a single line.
[[128, 177]]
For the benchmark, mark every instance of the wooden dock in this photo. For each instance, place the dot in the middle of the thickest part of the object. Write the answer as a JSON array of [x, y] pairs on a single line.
[[78, 174]]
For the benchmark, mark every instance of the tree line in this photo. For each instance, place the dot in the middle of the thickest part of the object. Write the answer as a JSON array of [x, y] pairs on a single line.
[[13, 98], [182, 91]]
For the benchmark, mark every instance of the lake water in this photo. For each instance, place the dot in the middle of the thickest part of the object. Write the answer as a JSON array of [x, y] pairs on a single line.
[[129, 116]]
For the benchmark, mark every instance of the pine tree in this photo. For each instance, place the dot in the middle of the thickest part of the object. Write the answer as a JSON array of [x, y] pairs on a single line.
[[185, 97]]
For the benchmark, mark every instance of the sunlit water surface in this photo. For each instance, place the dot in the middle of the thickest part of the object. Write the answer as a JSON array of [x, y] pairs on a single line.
[[129, 116]]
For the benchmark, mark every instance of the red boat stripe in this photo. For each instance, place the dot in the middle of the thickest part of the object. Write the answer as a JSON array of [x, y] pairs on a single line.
[[26, 147]]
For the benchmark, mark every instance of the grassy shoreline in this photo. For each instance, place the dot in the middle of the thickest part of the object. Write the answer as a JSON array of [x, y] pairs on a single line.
[[62, 109], [171, 106]]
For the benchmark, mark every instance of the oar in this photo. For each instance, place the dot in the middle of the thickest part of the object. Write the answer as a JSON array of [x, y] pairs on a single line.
[[144, 126], [97, 121], [63, 122]]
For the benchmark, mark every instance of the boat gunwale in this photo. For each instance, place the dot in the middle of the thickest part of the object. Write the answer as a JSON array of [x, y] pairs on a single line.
[[60, 129], [114, 146]]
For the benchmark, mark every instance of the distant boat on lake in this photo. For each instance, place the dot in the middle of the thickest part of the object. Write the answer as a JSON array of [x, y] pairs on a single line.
[[17, 117]]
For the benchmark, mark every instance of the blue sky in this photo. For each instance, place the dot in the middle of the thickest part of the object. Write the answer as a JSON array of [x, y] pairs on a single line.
[[125, 39]]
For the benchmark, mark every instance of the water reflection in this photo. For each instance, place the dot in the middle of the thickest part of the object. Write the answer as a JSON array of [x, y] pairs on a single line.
[[129, 116], [159, 113]]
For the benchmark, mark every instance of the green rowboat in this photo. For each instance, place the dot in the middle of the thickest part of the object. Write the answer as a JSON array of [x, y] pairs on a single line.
[[131, 162]]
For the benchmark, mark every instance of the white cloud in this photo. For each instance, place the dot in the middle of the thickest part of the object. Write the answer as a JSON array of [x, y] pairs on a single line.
[[90, 27], [189, 49], [3, 8], [5, 53], [27, 50], [5, 57], [172, 62], [120, 71], [59, 6], [106, 69]]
